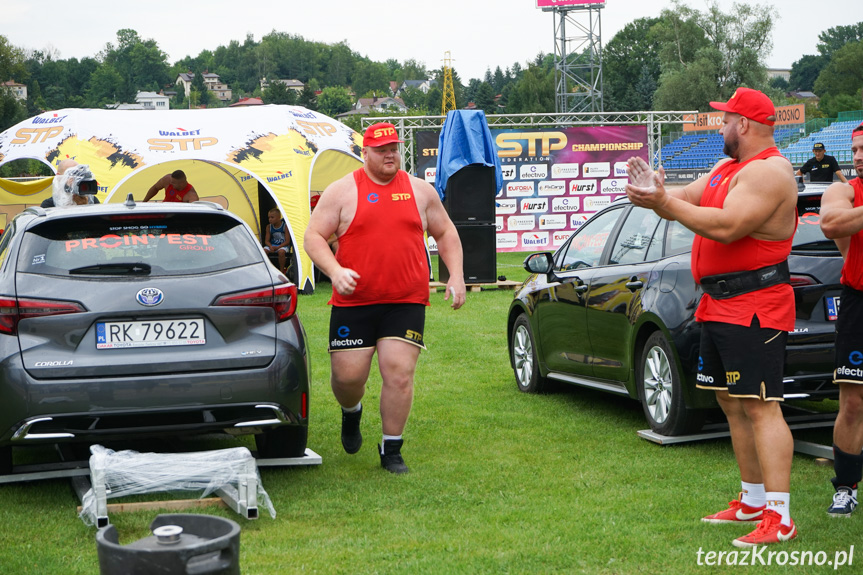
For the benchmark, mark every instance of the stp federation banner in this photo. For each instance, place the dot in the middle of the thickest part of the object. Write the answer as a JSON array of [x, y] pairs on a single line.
[[554, 179]]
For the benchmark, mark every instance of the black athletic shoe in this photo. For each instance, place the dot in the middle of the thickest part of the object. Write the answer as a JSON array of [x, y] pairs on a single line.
[[352, 439], [844, 502], [391, 457]]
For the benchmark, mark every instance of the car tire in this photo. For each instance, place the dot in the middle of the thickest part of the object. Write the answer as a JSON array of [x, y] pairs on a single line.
[[525, 363], [660, 390], [285, 441]]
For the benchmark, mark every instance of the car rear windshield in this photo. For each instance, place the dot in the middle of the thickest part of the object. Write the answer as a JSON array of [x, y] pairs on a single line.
[[809, 236], [166, 245]]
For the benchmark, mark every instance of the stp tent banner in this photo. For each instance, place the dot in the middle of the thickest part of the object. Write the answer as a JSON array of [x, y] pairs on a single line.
[[230, 155], [554, 179]]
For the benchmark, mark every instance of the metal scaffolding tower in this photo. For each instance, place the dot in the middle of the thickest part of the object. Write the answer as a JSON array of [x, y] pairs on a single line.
[[448, 100], [578, 58]]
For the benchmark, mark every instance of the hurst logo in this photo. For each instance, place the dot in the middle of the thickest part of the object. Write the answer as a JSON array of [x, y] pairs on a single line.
[[534, 205]]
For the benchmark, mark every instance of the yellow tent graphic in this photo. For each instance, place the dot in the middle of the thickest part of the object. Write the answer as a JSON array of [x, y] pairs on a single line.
[[247, 159]]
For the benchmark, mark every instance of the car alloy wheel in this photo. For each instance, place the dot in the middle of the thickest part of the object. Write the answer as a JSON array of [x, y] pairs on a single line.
[[657, 384], [660, 390], [524, 360]]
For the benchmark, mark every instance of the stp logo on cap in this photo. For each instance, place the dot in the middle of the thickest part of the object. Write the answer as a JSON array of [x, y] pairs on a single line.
[[381, 132]]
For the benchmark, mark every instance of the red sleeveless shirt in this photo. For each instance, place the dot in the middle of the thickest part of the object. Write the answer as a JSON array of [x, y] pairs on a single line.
[[774, 305], [385, 245], [852, 269], [174, 195]]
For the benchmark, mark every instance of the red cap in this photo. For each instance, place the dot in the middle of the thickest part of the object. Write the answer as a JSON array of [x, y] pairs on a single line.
[[750, 104], [380, 134]]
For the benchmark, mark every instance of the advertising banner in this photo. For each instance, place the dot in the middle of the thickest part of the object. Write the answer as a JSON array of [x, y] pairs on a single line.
[[554, 179], [785, 115], [553, 3]]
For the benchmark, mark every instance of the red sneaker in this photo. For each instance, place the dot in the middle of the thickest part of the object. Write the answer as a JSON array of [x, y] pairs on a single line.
[[737, 512], [770, 530]]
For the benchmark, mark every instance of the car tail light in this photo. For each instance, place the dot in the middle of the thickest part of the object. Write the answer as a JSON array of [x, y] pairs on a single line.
[[798, 280], [304, 408], [14, 310], [282, 298]]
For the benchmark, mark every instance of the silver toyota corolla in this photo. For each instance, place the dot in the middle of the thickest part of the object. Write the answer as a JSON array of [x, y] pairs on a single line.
[[131, 320]]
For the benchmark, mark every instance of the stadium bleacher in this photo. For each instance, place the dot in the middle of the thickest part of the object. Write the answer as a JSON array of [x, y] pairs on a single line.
[[701, 150]]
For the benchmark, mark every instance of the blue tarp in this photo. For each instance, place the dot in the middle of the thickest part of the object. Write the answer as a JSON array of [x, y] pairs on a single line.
[[465, 140]]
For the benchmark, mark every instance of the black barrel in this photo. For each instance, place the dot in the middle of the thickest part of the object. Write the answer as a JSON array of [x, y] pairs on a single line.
[[180, 544]]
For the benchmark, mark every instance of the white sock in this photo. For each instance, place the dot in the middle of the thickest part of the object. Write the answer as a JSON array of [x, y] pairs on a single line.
[[753, 494], [353, 409], [388, 438], [779, 502]]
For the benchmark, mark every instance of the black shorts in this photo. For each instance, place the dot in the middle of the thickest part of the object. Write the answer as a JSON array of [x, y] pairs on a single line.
[[361, 327], [849, 338], [745, 361]]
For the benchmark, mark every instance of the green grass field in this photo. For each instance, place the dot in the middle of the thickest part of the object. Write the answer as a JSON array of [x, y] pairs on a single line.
[[500, 482]]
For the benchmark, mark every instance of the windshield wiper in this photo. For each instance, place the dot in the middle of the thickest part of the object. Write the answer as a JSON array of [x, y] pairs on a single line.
[[129, 268]]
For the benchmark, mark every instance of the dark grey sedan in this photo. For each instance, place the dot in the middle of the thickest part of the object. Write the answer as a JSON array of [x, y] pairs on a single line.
[[132, 320], [614, 309]]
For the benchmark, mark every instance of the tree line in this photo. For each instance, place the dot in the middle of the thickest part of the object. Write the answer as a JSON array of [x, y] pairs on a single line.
[[679, 60]]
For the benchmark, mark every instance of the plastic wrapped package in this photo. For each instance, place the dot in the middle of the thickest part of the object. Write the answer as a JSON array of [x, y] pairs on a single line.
[[122, 473]]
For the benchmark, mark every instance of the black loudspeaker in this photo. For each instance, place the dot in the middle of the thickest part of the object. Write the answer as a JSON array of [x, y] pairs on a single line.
[[469, 195], [478, 244]]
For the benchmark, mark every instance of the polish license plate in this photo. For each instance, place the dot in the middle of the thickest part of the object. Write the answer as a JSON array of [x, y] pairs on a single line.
[[832, 308], [157, 333]]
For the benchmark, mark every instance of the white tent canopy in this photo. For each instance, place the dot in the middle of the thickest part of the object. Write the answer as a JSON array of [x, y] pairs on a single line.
[[230, 155]]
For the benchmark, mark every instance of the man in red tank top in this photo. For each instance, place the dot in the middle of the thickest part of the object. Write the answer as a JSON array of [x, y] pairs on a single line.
[[842, 221], [744, 216], [177, 188], [380, 276]]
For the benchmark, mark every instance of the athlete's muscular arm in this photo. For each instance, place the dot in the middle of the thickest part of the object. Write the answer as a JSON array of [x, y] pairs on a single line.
[[191, 195], [760, 203], [325, 221], [839, 218], [160, 184], [440, 227]]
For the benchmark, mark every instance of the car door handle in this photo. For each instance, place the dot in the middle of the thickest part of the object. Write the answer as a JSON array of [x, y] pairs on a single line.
[[578, 286], [634, 284]]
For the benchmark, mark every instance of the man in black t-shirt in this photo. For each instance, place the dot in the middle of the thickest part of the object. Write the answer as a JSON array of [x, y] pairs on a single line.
[[822, 167]]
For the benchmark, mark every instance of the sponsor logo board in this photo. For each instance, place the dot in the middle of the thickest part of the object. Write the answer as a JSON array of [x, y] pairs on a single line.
[[519, 189], [521, 223], [552, 221], [565, 204], [506, 241], [582, 187], [564, 170], [552, 188], [596, 203], [596, 170]]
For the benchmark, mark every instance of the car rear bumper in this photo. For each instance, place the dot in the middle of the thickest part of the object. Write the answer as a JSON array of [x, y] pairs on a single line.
[[240, 401], [78, 427]]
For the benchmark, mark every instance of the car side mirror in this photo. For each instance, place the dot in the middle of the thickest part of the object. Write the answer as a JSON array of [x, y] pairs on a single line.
[[541, 263]]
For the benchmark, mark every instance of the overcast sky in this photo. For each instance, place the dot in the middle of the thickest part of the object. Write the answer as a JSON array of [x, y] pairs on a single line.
[[479, 34]]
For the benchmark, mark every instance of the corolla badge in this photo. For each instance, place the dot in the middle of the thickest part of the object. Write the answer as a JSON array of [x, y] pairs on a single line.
[[150, 296]]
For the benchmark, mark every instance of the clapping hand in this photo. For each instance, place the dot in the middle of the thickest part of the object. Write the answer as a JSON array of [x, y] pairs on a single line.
[[646, 188]]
